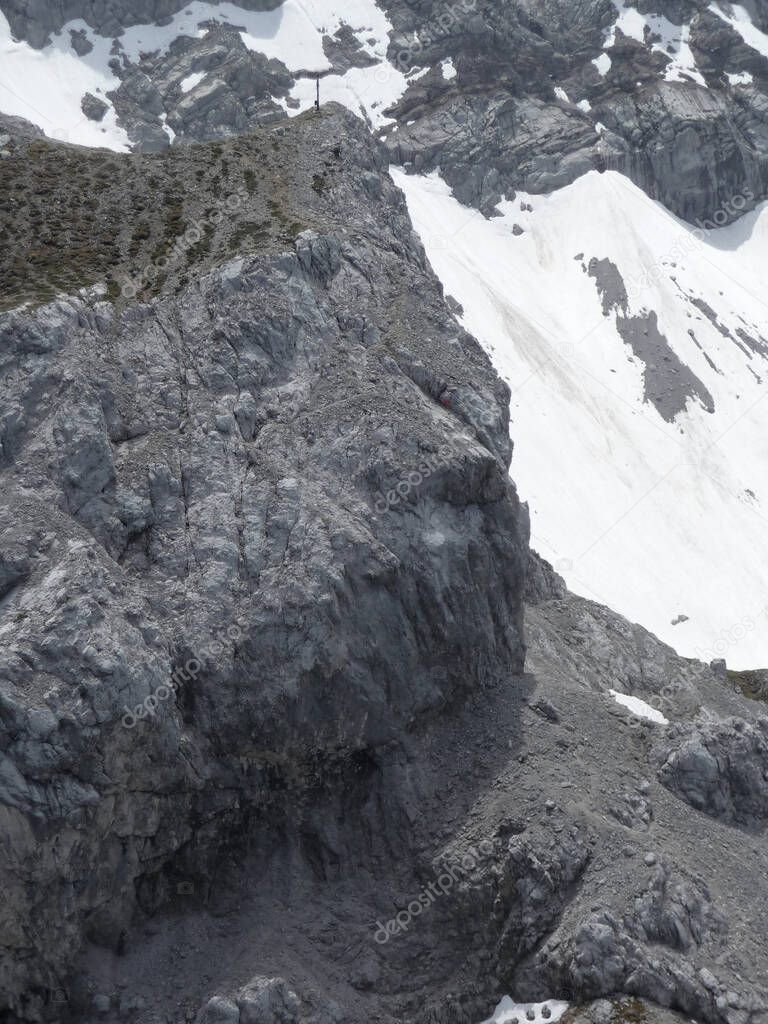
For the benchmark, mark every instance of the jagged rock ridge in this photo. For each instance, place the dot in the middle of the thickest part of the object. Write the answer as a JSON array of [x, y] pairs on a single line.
[[262, 574], [239, 478]]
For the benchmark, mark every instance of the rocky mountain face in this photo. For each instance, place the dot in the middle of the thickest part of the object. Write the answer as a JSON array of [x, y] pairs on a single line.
[[36, 20], [538, 92], [269, 514], [541, 96], [295, 728]]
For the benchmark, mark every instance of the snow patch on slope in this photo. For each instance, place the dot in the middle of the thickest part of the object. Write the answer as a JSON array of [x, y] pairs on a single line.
[[289, 33], [639, 707], [292, 33], [449, 69], [603, 63], [368, 92], [738, 18], [674, 40], [637, 512], [188, 84], [47, 86], [509, 1012]]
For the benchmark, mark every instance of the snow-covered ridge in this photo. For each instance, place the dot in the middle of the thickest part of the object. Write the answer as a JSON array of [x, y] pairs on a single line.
[[618, 327]]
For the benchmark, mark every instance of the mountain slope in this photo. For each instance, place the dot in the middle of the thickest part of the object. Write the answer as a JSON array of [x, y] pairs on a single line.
[[295, 728], [635, 348], [210, 603], [528, 99]]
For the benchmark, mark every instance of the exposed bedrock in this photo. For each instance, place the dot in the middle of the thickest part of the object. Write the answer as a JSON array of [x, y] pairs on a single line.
[[719, 767], [35, 20], [695, 144], [263, 675], [250, 538], [542, 93]]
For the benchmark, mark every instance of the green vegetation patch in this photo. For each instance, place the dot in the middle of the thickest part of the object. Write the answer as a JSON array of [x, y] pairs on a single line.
[[146, 224], [753, 685]]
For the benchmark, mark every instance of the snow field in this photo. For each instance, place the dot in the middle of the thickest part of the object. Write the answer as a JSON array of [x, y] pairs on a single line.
[[653, 519]]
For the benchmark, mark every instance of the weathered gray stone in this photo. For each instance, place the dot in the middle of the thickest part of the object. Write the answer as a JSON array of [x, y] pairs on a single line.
[[720, 768], [93, 108], [219, 1011], [283, 572], [268, 1001], [499, 127], [262, 704]]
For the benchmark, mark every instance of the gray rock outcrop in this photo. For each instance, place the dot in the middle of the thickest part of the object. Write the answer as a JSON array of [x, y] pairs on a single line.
[[241, 564], [720, 768], [93, 108], [294, 727], [543, 92], [35, 20], [694, 143]]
